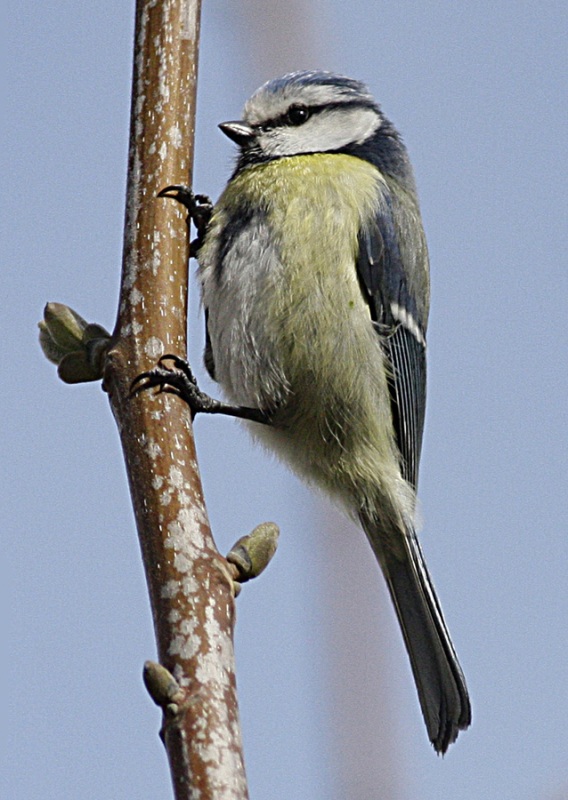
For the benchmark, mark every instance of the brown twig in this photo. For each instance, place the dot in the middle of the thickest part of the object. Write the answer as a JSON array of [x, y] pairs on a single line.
[[190, 583], [192, 587]]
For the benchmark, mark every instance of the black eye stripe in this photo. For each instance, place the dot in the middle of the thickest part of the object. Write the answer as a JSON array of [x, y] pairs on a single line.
[[283, 120]]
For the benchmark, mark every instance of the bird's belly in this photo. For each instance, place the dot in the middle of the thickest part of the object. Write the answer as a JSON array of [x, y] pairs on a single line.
[[286, 332], [291, 332], [299, 342]]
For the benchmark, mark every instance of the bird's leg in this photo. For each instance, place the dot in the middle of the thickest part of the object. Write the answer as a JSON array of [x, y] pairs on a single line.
[[199, 209], [180, 380]]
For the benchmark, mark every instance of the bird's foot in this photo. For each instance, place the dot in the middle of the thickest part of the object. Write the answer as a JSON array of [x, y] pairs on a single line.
[[179, 379], [199, 209]]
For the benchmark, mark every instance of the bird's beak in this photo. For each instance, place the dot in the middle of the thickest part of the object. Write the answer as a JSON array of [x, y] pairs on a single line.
[[238, 131]]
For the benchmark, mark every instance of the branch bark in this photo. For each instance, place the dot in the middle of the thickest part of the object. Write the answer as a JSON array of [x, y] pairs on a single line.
[[190, 583]]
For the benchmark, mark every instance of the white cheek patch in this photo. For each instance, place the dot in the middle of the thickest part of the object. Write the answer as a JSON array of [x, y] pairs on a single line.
[[325, 131]]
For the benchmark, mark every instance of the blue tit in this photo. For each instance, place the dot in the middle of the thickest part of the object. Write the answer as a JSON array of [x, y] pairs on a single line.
[[315, 282]]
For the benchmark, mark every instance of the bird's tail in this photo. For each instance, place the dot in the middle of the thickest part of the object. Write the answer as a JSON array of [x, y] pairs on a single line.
[[439, 679]]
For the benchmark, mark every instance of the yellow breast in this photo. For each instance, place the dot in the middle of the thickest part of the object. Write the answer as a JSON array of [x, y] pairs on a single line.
[[315, 206]]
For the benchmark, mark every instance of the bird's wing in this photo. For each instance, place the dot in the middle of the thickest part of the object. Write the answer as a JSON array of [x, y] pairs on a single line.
[[392, 280]]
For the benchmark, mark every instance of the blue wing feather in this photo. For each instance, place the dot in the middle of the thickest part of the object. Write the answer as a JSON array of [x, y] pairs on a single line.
[[393, 309]]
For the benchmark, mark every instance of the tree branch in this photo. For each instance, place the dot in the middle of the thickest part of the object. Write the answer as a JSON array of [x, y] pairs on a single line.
[[190, 583], [192, 587]]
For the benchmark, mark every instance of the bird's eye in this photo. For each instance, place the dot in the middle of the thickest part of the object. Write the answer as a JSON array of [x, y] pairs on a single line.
[[297, 114]]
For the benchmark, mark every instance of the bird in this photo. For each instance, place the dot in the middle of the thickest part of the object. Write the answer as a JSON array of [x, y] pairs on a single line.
[[314, 275]]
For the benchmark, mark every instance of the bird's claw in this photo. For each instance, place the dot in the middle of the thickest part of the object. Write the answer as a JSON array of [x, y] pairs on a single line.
[[199, 206], [177, 379]]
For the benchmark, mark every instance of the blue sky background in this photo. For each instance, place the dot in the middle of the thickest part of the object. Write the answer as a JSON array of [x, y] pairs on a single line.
[[479, 93]]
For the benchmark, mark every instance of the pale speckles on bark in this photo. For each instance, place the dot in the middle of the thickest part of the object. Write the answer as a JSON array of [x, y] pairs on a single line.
[[225, 770], [136, 297], [156, 263], [176, 477], [163, 85], [185, 646], [154, 348], [189, 514], [152, 448], [187, 26], [175, 136], [217, 741], [138, 109], [189, 585], [176, 534], [168, 404], [214, 664], [182, 563], [170, 589], [180, 452], [222, 759], [174, 616], [157, 482]]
